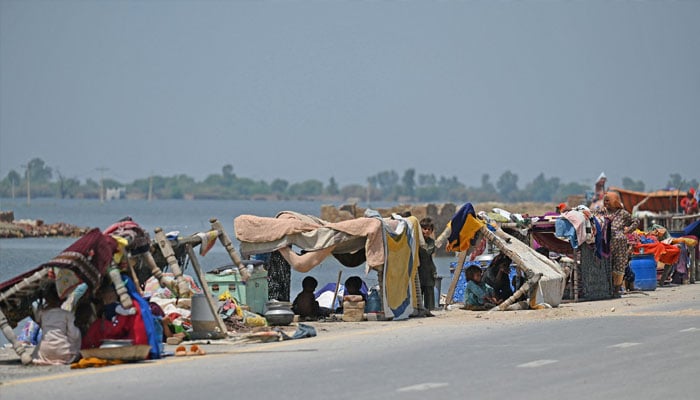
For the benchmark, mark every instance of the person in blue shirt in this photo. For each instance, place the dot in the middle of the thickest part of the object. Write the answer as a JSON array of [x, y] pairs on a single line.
[[479, 295]]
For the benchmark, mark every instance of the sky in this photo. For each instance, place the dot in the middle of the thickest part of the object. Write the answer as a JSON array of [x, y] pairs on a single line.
[[303, 90]]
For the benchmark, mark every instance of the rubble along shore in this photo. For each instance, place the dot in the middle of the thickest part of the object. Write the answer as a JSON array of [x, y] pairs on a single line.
[[28, 228]]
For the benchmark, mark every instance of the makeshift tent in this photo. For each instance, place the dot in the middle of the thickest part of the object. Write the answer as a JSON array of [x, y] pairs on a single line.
[[387, 245], [461, 234], [85, 261]]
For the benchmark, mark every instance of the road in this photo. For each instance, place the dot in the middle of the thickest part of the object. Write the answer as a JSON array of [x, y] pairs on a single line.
[[643, 347]]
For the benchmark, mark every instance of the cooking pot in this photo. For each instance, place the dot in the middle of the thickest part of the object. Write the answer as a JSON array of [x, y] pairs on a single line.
[[278, 313]]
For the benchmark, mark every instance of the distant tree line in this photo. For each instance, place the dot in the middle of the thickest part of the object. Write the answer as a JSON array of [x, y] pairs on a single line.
[[42, 181]]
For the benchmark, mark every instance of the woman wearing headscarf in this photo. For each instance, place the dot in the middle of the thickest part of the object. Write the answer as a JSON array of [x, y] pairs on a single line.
[[620, 223]]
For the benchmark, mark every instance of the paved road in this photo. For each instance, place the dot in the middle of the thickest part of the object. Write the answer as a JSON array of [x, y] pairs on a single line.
[[653, 353]]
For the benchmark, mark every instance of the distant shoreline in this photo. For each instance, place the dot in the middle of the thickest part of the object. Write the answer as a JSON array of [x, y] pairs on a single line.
[[37, 228]]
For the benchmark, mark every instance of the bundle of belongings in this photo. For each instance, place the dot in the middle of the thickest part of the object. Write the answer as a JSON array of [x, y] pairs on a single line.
[[672, 254]]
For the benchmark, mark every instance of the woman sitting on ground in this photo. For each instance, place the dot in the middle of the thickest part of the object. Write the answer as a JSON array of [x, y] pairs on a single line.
[[497, 276], [60, 341]]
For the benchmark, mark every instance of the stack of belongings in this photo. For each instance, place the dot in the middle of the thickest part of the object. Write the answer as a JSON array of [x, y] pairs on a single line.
[[353, 308]]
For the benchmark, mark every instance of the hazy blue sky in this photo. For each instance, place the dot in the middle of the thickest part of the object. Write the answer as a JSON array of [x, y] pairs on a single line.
[[346, 89]]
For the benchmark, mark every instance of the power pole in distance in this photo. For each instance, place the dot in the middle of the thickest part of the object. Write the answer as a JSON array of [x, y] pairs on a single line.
[[102, 183]]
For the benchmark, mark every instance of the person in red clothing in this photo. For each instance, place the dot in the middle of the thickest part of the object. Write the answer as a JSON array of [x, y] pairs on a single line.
[[689, 204], [115, 322]]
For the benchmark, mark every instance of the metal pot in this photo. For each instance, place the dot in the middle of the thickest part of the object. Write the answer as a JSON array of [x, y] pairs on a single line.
[[279, 316], [278, 312]]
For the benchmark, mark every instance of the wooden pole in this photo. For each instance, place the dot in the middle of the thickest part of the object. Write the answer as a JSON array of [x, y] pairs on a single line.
[[135, 278], [183, 288], [576, 278], [226, 241], [22, 352], [29, 283], [155, 270], [120, 287], [335, 293], [458, 272], [531, 282], [25, 287]]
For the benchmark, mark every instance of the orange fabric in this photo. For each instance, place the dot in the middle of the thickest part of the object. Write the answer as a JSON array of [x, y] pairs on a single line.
[[94, 362], [665, 253]]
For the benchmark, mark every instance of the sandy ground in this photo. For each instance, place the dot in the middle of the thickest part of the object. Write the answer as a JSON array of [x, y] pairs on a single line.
[[645, 303]]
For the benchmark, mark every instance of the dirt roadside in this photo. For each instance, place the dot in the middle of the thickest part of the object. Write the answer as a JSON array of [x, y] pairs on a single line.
[[641, 304]]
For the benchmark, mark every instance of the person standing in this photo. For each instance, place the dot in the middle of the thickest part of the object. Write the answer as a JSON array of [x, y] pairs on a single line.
[[599, 192], [427, 270], [689, 204], [620, 223]]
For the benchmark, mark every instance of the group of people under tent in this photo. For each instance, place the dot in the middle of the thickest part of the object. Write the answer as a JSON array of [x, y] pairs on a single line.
[[306, 303]]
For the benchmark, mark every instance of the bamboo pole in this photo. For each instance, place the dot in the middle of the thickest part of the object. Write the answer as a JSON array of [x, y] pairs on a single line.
[[226, 241]]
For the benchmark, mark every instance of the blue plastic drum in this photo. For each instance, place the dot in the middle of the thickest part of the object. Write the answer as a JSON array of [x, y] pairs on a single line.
[[644, 268]]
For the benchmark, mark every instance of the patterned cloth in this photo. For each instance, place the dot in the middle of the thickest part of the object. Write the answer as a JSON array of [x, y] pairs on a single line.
[[88, 258], [618, 220], [279, 274]]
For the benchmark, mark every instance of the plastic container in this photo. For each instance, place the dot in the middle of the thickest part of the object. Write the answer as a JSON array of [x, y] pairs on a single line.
[[374, 302], [644, 268], [253, 293]]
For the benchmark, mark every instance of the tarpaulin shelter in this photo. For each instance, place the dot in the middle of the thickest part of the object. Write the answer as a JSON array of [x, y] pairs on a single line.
[[387, 245], [461, 234]]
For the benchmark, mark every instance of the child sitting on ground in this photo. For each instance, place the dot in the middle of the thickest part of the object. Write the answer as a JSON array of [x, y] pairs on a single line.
[[353, 287], [60, 341], [305, 304], [479, 295]]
